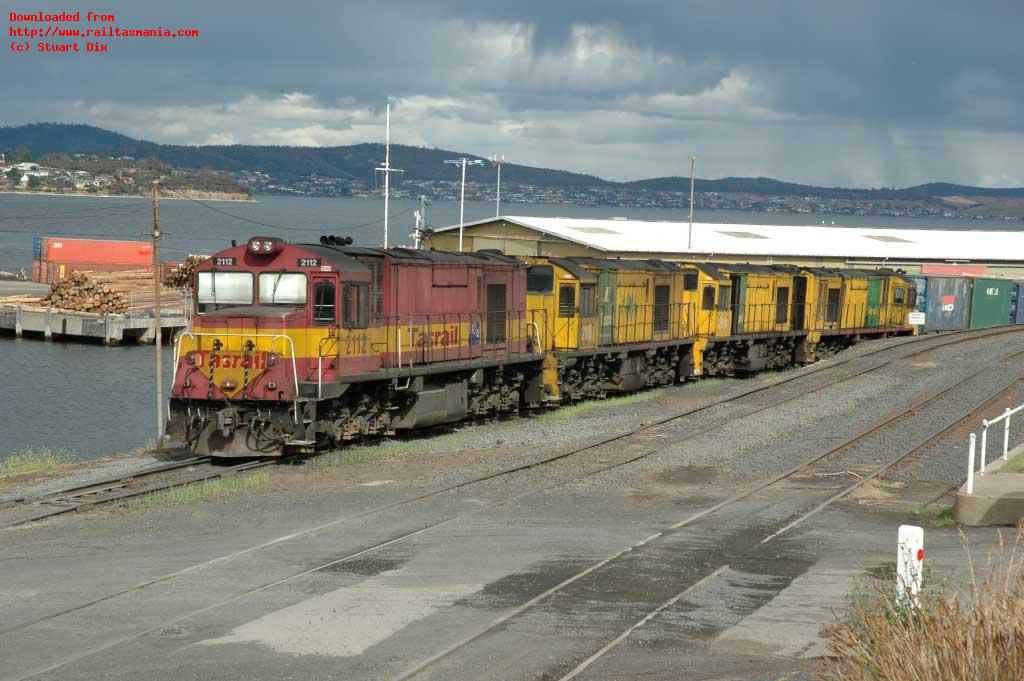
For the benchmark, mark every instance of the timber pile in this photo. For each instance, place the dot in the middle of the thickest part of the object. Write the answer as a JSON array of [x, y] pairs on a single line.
[[110, 292], [80, 293], [181, 275]]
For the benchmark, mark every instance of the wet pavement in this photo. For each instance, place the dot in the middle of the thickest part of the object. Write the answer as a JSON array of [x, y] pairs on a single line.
[[362, 571]]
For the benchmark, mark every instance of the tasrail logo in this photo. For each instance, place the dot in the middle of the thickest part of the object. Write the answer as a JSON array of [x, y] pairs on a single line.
[[230, 360], [445, 337]]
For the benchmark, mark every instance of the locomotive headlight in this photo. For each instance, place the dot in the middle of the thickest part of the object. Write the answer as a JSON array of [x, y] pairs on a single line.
[[190, 358], [228, 385], [272, 358]]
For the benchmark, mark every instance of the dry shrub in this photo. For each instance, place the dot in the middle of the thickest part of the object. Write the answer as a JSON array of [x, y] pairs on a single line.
[[974, 635]]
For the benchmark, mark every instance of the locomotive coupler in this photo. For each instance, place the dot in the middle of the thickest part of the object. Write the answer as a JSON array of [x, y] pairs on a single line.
[[227, 421]]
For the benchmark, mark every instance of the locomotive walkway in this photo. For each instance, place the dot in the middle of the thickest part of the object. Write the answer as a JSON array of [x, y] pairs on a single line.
[[710, 545]]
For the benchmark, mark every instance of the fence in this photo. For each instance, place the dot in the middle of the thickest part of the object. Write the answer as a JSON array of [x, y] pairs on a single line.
[[972, 443]]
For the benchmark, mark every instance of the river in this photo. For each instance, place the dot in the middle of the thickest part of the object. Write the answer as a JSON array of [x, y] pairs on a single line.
[[92, 400]]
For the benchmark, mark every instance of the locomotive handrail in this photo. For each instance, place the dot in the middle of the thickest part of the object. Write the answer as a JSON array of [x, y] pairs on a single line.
[[320, 364], [273, 340]]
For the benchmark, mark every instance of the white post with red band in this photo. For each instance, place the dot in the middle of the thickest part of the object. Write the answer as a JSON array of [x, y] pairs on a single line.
[[909, 562]]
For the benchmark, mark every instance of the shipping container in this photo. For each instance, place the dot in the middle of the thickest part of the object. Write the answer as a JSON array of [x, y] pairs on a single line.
[[1017, 303], [37, 248], [990, 302], [36, 273], [948, 304], [96, 251]]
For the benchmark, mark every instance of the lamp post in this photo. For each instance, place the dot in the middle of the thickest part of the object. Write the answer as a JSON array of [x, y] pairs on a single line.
[[689, 235], [462, 201], [498, 161], [386, 169]]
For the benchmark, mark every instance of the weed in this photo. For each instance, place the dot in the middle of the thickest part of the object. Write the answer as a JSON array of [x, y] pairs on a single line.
[[974, 635], [390, 448], [936, 516], [197, 491], [1014, 465], [576, 410], [33, 460]]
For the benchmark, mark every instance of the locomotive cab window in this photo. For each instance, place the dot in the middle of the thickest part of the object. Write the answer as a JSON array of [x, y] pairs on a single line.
[[724, 298], [540, 279], [323, 302], [588, 300], [222, 289], [566, 300], [282, 288], [781, 305], [899, 296], [355, 306], [708, 298], [690, 280], [832, 306], [661, 308]]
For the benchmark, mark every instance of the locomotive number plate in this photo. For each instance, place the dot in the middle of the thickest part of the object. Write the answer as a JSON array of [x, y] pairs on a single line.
[[224, 262], [309, 262]]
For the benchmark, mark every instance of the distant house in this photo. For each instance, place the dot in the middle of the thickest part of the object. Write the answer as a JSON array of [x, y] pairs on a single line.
[[128, 179], [25, 167]]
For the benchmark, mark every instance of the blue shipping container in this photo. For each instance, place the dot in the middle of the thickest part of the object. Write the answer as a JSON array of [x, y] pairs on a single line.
[[37, 248]]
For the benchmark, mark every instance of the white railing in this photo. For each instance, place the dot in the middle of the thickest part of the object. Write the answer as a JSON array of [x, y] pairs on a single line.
[[1003, 418]]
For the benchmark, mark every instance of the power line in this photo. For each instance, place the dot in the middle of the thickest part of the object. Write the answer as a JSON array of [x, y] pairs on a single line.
[[273, 226], [101, 211]]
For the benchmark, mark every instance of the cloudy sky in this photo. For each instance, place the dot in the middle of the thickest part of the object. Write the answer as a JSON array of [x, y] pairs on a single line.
[[836, 92]]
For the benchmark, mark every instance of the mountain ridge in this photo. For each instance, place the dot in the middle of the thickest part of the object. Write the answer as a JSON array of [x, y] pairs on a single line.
[[358, 161]]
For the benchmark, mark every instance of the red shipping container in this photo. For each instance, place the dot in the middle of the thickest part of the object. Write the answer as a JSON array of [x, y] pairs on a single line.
[[98, 251], [36, 273]]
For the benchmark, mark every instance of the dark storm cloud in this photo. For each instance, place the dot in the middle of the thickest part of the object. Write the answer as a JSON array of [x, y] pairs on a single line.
[[885, 79]]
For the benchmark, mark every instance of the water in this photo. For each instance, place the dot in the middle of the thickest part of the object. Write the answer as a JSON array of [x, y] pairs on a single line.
[[95, 400]]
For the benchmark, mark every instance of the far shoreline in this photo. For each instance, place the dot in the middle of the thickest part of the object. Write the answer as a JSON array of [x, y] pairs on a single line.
[[121, 196]]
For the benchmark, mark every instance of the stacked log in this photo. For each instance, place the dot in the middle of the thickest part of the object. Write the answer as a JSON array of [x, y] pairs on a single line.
[[81, 293], [181, 276], [128, 291]]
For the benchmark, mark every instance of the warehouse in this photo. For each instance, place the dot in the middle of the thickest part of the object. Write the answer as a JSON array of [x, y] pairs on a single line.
[[931, 251]]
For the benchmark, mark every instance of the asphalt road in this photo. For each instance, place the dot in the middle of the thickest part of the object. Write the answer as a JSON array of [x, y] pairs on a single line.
[[571, 568]]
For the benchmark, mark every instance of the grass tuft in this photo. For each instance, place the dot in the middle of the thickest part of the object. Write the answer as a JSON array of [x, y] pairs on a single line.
[[978, 634], [576, 410], [1014, 465], [391, 448], [936, 516], [198, 491], [33, 460]]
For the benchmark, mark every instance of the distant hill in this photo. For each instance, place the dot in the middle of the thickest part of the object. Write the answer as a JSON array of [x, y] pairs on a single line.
[[289, 163], [358, 162]]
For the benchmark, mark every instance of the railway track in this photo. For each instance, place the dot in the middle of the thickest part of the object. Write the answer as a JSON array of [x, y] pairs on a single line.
[[633, 550], [118, 489], [157, 478], [933, 343], [113, 490]]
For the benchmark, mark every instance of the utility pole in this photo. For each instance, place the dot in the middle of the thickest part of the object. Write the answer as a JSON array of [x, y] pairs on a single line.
[[421, 222], [462, 201], [498, 161], [387, 170], [689, 236], [157, 318]]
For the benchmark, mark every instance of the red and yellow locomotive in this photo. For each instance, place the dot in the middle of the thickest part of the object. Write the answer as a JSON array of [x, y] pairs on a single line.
[[298, 346]]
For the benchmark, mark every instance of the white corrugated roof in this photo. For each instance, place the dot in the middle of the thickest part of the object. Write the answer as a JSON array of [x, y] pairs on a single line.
[[778, 240]]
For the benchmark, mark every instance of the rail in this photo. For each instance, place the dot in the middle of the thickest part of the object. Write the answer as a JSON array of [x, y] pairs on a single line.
[[972, 444]]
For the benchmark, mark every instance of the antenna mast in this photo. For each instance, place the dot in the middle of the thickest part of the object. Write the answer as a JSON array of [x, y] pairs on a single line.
[[498, 161], [386, 169]]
